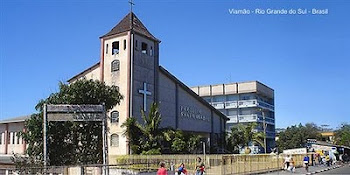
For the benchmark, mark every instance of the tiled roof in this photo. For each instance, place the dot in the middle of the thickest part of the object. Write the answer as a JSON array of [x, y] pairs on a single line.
[[125, 25]]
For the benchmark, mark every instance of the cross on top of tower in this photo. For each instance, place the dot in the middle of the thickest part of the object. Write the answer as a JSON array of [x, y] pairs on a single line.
[[131, 4]]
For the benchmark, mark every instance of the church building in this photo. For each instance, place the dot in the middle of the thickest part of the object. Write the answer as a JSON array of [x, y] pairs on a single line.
[[129, 59]]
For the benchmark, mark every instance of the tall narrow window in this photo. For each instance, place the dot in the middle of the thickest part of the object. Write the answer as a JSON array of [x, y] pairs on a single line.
[[115, 47], [115, 65], [124, 44], [18, 139], [114, 140], [136, 45], [114, 117], [151, 51], [144, 48], [0, 138], [106, 48], [13, 137]]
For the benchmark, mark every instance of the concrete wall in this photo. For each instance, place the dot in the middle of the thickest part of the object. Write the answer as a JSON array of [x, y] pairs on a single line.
[[145, 66], [120, 79], [15, 144], [226, 89], [167, 101]]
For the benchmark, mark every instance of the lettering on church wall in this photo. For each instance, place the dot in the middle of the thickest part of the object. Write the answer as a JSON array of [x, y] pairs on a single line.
[[193, 113]]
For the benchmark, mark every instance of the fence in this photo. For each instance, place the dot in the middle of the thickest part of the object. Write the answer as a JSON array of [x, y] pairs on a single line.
[[224, 164], [215, 164]]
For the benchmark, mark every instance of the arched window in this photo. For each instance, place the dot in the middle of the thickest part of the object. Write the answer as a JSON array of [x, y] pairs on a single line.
[[114, 117], [115, 65], [114, 140]]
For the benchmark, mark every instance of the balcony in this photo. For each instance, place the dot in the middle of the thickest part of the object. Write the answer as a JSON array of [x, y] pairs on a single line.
[[251, 118], [233, 119], [218, 105], [231, 104], [268, 120], [266, 105], [248, 118], [247, 103]]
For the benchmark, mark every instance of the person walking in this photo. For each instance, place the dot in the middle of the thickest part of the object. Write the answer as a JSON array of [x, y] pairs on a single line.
[[162, 170], [287, 162], [306, 163], [328, 160], [200, 168], [182, 170]]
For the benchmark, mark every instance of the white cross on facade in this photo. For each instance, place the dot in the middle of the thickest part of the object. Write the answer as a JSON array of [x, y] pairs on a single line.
[[145, 93]]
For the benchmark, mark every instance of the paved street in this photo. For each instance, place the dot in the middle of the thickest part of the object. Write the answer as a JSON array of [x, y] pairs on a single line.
[[303, 171], [342, 170]]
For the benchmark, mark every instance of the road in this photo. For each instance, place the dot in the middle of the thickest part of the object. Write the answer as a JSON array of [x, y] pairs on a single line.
[[342, 170]]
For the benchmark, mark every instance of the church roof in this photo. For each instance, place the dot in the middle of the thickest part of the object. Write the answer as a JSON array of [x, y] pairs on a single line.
[[188, 90], [126, 25], [93, 67]]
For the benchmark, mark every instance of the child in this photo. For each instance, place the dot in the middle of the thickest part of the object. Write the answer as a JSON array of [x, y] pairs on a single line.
[[162, 170], [182, 170]]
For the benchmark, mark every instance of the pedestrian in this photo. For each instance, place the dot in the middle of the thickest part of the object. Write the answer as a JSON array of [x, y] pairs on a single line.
[[328, 160], [162, 170], [287, 162], [200, 168], [292, 165], [182, 170], [306, 163]]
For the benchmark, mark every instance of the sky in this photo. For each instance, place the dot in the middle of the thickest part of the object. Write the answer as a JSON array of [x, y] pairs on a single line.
[[304, 58]]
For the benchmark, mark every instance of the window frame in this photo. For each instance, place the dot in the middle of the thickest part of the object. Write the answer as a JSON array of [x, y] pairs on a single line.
[[115, 51], [115, 65], [115, 120], [144, 50], [115, 136]]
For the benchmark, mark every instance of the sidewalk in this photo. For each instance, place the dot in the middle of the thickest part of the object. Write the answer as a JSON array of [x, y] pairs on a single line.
[[301, 170]]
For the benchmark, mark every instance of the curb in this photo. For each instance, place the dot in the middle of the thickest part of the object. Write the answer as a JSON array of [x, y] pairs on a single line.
[[326, 169]]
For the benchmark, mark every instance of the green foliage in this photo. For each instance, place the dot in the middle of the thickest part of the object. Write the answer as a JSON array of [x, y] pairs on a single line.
[[27, 165], [342, 135], [71, 143], [296, 136], [148, 138], [242, 135], [154, 151]]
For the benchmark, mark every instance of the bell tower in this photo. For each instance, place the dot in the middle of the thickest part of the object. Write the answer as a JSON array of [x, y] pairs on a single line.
[[130, 60]]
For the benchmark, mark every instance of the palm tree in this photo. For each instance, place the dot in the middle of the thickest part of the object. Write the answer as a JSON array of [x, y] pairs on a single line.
[[150, 127], [242, 135], [146, 136], [132, 132]]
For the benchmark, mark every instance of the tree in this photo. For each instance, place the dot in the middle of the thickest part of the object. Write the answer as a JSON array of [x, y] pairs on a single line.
[[149, 138], [133, 133], [242, 135], [296, 136], [71, 143], [342, 135]]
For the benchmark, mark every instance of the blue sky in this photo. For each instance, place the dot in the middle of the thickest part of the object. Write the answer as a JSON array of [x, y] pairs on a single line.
[[304, 58]]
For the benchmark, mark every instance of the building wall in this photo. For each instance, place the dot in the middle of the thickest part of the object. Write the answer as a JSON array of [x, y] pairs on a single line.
[[118, 78], [167, 101], [144, 67], [15, 144], [92, 74], [244, 103]]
